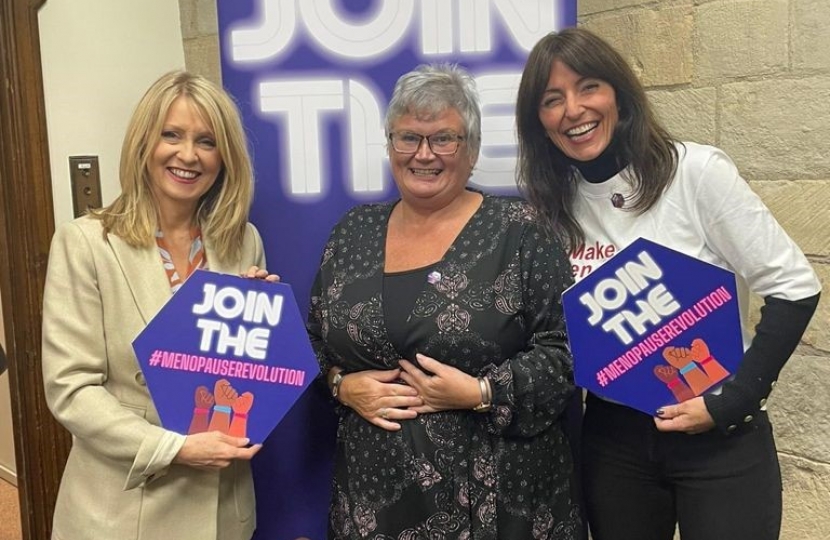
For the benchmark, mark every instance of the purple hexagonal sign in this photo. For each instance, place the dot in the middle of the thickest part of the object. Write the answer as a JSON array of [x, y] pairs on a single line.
[[226, 353], [653, 327]]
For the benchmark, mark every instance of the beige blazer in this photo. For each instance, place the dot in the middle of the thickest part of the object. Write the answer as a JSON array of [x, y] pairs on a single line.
[[119, 482]]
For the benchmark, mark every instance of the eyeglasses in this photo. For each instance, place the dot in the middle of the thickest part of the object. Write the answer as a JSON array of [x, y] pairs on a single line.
[[441, 144]]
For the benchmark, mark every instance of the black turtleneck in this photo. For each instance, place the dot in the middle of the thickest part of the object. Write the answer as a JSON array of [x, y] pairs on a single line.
[[602, 167]]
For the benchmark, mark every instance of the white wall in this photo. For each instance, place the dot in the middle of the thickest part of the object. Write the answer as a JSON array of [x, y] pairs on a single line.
[[98, 59]]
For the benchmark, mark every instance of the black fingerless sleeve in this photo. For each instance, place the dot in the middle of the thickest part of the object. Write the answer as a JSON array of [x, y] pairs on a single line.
[[782, 324]]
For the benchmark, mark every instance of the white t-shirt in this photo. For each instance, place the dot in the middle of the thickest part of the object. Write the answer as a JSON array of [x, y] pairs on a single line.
[[708, 212]]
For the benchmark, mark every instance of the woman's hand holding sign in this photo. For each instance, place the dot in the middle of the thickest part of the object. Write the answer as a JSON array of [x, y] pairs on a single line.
[[213, 450], [216, 448], [690, 417], [255, 272]]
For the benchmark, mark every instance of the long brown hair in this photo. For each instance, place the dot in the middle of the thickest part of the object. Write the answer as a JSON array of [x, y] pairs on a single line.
[[544, 174]]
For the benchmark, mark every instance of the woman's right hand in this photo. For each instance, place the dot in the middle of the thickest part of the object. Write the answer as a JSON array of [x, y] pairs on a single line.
[[375, 396], [213, 450]]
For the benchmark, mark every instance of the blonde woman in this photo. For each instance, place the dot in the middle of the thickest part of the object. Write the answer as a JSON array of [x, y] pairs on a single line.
[[186, 190]]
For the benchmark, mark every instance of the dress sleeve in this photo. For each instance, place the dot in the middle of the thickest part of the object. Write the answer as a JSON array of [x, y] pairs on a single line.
[[318, 310], [75, 367], [743, 232], [533, 388]]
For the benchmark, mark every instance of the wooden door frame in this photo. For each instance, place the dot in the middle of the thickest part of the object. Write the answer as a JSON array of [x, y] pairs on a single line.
[[26, 228]]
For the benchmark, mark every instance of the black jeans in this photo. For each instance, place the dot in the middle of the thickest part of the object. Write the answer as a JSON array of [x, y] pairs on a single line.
[[639, 483]]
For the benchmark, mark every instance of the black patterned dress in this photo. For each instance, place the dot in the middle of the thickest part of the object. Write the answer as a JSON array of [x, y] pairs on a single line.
[[491, 307]]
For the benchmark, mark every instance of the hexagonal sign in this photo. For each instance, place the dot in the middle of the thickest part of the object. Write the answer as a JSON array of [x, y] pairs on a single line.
[[653, 327], [226, 353]]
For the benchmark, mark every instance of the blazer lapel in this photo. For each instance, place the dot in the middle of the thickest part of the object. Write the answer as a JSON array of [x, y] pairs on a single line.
[[144, 274]]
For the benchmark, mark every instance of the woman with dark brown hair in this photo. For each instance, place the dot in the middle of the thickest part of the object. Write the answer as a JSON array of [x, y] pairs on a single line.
[[599, 168]]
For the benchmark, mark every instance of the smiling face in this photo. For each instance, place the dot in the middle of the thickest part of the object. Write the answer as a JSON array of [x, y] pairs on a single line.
[[425, 176], [186, 162], [578, 113]]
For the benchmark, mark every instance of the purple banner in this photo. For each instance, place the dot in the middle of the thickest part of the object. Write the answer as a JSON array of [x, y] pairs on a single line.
[[312, 79]]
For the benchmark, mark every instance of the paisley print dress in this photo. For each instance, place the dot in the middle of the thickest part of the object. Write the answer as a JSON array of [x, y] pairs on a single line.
[[491, 307]]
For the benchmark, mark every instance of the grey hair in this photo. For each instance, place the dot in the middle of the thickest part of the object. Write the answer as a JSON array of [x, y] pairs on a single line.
[[431, 89]]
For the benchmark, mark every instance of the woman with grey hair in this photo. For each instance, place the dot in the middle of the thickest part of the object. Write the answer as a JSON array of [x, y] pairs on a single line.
[[438, 324]]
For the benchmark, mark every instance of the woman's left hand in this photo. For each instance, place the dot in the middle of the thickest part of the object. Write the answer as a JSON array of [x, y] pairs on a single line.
[[447, 388], [255, 272], [690, 417]]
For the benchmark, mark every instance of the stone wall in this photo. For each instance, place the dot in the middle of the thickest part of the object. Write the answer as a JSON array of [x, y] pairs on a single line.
[[200, 32], [753, 78]]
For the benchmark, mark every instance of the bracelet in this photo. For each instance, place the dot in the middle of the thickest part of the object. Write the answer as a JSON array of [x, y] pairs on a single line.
[[486, 396], [222, 408], [706, 360], [687, 368], [335, 383]]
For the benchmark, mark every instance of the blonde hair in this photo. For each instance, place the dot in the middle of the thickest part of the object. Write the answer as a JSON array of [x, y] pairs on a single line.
[[222, 212]]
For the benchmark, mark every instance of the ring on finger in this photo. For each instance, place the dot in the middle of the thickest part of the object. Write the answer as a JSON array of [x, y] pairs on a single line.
[[384, 413]]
